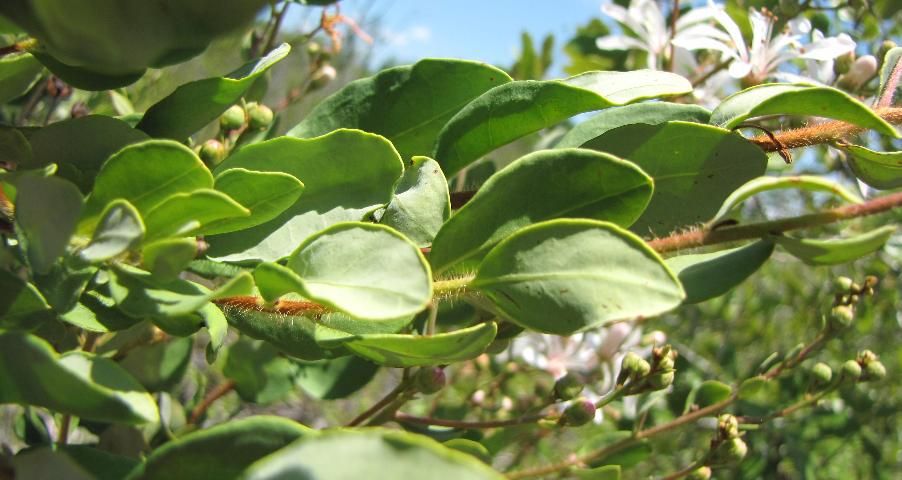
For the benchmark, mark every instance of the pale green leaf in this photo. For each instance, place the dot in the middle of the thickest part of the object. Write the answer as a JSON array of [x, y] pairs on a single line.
[[835, 251], [187, 214], [120, 229], [421, 203], [421, 350], [651, 113], [264, 194], [881, 170], [763, 184]]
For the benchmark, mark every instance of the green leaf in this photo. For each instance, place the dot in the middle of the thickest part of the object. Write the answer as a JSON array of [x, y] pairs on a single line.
[[333, 379], [84, 78], [186, 214], [710, 392], [540, 186], [419, 350], [296, 335], [159, 366], [120, 229], [890, 60], [165, 259], [625, 458], [193, 105], [96, 313], [262, 375], [836, 251], [264, 194], [563, 276], [18, 72], [607, 472], [508, 112], [651, 113], [80, 146], [21, 304], [789, 99], [145, 174], [75, 383], [694, 167], [470, 447], [64, 283], [214, 319], [708, 275], [72, 462], [407, 105], [881, 170], [421, 203], [222, 451], [347, 174], [14, 149], [764, 184], [365, 270], [378, 454], [47, 211]]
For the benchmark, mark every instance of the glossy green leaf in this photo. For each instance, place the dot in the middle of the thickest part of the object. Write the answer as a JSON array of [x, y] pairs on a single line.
[[563, 276], [607, 472], [96, 313], [120, 229], [836, 251], [215, 321], [262, 375], [508, 112], [378, 455], [222, 451], [84, 78], [21, 304], [77, 383], [186, 214], [274, 280], [420, 350], [709, 275], [159, 366], [763, 184], [18, 72], [193, 105], [264, 194], [543, 185], [421, 203], [14, 150], [145, 174], [47, 211], [365, 270], [165, 259], [338, 378], [347, 174], [882, 170], [651, 113], [407, 105], [694, 167], [790, 99], [710, 392], [80, 146]]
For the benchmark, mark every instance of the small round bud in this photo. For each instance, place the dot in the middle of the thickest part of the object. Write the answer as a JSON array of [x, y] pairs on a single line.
[[842, 64], [580, 412], [661, 380], [212, 152], [232, 119], [322, 76], [851, 370], [842, 285], [429, 380], [700, 473], [259, 116], [871, 281], [821, 374], [873, 371], [865, 357], [727, 426], [314, 49], [841, 316], [568, 387], [885, 47], [730, 452], [633, 367], [664, 358]]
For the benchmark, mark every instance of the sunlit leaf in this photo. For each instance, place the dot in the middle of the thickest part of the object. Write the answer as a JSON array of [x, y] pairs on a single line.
[[421, 350]]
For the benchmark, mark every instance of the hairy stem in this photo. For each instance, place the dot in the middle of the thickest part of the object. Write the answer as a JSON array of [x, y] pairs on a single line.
[[212, 396], [821, 133]]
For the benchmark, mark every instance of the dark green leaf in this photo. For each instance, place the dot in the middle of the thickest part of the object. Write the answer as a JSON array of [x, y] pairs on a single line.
[[47, 211], [836, 251], [120, 229], [165, 259], [338, 378], [84, 78], [651, 113], [96, 313], [21, 305], [17, 73], [608, 472], [261, 374], [193, 105], [421, 203], [563, 276], [541, 186], [420, 350], [708, 275], [264, 194], [159, 366], [882, 170]]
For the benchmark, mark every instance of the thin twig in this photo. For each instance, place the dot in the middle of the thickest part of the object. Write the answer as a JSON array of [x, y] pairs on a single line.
[[221, 390], [392, 395], [476, 424]]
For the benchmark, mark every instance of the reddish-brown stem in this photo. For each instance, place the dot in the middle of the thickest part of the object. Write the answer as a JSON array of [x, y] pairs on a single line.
[[221, 390], [375, 408], [821, 133], [406, 418]]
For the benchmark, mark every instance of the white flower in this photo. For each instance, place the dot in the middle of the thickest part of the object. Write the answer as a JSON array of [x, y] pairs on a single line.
[[646, 20]]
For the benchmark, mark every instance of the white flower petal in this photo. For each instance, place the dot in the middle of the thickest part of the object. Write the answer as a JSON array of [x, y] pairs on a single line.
[[829, 48], [702, 43], [619, 42], [696, 15], [735, 34], [739, 69], [704, 30]]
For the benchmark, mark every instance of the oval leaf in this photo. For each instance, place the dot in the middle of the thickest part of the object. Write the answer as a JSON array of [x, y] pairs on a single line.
[[367, 271], [18, 72], [541, 186], [264, 194], [842, 250], [47, 211], [563, 276], [21, 304], [764, 184], [419, 350], [186, 214], [119, 230], [402, 103], [708, 275], [421, 203], [882, 170], [75, 383], [510, 111], [789, 99], [651, 113]]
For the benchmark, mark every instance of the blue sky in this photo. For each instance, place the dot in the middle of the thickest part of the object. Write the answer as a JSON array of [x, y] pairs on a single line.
[[486, 30]]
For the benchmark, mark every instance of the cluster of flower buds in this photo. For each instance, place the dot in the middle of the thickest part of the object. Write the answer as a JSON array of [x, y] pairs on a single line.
[[254, 115], [727, 448], [847, 295], [322, 71], [212, 152], [638, 375], [871, 368]]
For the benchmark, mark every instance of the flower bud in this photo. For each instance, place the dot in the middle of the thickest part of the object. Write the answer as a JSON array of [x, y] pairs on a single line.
[[730, 452], [700, 473], [727, 426], [862, 70], [232, 119], [821, 374], [873, 371], [429, 380], [568, 387], [212, 152], [663, 358], [871, 281], [842, 64], [314, 49], [851, 370], [580, 412], [322, 76], [259, 116], [842, 285], [841, 316], [661, 380], [633, 367], [865, 357], [885, 47]]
